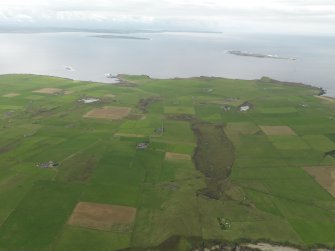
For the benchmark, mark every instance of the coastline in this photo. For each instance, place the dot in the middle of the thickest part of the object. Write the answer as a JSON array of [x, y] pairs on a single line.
[[262, 79], [121, 77]]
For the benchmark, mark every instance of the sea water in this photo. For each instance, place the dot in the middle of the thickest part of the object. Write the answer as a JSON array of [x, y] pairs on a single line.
[[171, 54]]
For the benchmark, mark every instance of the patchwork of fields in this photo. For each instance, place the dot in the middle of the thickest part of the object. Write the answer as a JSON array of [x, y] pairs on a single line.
[[163, 164]]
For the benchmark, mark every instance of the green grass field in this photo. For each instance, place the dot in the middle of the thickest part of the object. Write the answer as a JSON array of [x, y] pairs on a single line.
[[258, 180]]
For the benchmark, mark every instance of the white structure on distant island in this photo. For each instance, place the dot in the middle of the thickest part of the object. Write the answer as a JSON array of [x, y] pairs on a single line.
[[69, 68], [109, 75]]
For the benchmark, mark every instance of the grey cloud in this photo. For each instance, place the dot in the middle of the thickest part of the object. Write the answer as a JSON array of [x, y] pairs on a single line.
[[304, 15]]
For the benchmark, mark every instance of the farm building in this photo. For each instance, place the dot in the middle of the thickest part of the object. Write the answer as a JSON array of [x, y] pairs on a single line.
[[142, 145]]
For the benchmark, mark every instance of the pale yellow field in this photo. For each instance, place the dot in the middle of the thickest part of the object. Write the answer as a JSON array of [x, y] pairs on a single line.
[[324, 175], [11, 95], [48, 90], [101, 216], [277, 130], [108, 113], [177, 156]]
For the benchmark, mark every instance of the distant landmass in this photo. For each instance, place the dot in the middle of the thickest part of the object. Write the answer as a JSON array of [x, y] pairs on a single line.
[[120, 37], [256, 55], [29, 30]]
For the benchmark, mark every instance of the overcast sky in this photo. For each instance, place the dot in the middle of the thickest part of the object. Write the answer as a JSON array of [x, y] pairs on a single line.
[[276, 16]]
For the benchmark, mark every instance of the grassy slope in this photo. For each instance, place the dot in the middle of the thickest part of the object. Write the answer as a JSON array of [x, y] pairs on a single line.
[[269, 195]]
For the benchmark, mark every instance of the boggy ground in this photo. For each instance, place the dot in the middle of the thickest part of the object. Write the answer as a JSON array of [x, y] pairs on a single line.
[[214, 157]]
